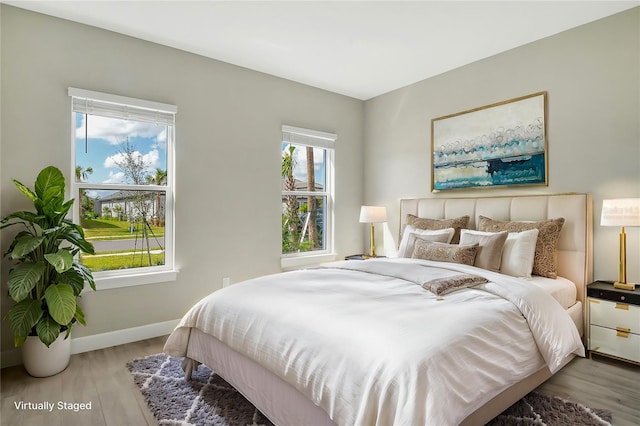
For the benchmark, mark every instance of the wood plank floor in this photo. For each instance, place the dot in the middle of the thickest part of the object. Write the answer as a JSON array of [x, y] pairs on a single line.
[[100, 377], [600, 383]]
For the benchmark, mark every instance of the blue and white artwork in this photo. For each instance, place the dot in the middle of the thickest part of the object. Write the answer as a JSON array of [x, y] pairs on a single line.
[[500, 144]]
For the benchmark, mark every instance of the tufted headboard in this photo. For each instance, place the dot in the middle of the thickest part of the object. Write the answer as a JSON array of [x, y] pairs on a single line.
[[575, 246]]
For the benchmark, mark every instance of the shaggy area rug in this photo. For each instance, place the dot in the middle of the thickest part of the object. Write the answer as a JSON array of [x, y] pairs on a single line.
[[208, 400], [538, 409]]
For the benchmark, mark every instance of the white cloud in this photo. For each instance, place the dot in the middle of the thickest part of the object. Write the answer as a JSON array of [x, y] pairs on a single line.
[[300, 158], [150, 160], [112, 161], [115, 177], [161, 141], [116, 131], [162, 137]]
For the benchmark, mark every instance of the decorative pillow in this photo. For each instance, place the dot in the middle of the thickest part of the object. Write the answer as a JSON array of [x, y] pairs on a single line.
[[455, 223], [546, 259], [411, 234], [518, 253], [442, 252], [489, 254], [440, 286]]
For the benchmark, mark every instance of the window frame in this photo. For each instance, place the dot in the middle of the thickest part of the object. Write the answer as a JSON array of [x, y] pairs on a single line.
[[326, 141], [143, 275]]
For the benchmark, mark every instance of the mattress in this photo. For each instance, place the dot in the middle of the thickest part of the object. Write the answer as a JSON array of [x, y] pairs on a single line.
[[561, 289], [576, 314]]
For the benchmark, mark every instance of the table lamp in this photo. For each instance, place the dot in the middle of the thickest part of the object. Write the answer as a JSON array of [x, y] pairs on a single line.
[[621, 212], [371, 215]]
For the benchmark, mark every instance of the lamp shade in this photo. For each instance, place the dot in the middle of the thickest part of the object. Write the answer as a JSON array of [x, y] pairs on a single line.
[[620, 212], [373, 214]]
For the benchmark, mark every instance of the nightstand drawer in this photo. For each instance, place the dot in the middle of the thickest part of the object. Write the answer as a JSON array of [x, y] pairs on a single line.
[[612, 342], [606, 291], [614, 315]]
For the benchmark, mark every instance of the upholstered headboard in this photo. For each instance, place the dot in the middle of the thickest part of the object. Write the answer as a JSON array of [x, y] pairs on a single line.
[[575, 247]]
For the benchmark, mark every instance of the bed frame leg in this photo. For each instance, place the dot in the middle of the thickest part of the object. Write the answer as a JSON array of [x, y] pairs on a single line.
[[189, 366]]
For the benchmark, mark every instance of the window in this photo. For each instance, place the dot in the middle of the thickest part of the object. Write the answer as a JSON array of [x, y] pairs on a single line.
[[122, 158], [307, 192]]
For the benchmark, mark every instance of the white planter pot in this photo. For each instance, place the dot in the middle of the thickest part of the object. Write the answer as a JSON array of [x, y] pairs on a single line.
[[40, 361]]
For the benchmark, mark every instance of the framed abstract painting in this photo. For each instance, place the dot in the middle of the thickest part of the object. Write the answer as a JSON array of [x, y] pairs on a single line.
[[501, 144]]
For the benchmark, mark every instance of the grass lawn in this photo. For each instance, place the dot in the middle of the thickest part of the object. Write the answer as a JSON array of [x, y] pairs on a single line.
[[114, 229], [119, 261], [102, 229]]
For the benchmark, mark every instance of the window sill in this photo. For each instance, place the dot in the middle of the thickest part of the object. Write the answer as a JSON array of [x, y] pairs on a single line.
[[108, 281], [297, 262]]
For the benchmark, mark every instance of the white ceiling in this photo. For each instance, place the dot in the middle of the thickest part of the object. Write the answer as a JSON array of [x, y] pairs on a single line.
[[357, 48]]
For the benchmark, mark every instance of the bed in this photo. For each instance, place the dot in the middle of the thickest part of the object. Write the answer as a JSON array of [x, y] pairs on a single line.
[[363, 342]]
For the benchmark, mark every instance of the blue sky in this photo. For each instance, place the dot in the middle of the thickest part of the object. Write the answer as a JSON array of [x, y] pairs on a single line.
[[105, 138], [300, 163]]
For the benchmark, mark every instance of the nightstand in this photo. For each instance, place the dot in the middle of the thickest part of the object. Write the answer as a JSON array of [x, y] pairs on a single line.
[[614, 321]]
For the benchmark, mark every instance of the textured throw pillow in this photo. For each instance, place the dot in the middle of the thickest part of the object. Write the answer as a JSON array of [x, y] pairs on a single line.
[[456, 223], [518, 253], [440, 286], [411, 234], [546, 259], [441, 252], [489, 254]]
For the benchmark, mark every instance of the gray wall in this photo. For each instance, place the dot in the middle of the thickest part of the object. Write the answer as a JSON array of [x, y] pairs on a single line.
[[591, 74], [228, 130], [229, 119]]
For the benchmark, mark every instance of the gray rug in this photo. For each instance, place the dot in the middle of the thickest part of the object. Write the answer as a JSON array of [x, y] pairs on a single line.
[[538, 409], [208, 400], [205, 400]]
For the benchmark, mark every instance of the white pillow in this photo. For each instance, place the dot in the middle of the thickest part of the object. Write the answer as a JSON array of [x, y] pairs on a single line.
[[518, 253], [430, 235]]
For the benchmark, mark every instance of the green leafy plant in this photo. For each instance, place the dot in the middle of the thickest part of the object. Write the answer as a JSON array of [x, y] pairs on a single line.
[[47, 279]]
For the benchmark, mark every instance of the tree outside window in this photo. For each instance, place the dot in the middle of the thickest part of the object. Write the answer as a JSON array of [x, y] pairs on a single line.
[[306, 196], [123, 165]]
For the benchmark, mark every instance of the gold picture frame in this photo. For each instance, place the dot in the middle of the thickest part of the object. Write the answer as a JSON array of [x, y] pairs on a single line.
[[497, 145]]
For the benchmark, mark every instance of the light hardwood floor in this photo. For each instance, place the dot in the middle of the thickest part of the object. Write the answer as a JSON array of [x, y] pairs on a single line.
[[101, 377], [600, 383]]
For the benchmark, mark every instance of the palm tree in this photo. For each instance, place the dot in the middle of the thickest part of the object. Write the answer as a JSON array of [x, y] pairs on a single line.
[[290, 223], [81, 175], [160, 178], [119, 211], [311, 200]]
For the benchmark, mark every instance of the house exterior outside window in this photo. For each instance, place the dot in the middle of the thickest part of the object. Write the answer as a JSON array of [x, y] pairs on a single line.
[[307, 194], [122, 159]]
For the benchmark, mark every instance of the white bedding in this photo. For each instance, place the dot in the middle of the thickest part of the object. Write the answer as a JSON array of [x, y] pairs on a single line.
[[561, 289], [367, 344]]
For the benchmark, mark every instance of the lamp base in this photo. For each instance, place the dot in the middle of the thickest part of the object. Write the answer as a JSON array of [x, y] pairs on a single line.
[[624, 286]]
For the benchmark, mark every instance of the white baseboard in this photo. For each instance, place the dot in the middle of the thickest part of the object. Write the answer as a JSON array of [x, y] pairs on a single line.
[[12, 357]]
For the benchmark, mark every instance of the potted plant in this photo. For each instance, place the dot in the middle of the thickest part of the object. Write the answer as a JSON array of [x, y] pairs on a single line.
[[47, 279]]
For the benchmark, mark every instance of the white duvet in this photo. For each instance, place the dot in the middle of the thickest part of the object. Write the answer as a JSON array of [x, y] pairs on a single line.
[[365, 342]]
